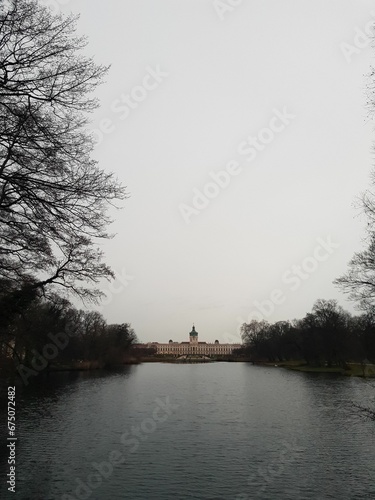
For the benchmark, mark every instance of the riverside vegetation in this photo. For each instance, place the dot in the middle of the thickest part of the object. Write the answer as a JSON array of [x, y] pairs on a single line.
[[327, 339], [54, 335]]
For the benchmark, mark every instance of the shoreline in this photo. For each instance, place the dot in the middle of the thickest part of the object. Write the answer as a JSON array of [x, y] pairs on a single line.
[[354, 369]]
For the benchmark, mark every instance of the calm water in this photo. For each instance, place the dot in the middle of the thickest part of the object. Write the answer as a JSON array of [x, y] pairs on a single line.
[[202, 431]]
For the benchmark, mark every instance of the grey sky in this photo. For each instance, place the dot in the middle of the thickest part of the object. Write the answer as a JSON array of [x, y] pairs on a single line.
[[191, 83]]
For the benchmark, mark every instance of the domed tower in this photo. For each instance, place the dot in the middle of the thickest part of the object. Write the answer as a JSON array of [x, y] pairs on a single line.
[[193, 336]]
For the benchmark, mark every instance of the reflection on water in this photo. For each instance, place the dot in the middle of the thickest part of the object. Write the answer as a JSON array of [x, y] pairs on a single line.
[[210, 431]]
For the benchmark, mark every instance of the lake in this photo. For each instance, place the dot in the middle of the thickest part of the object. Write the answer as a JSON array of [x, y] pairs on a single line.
[[193, 431]]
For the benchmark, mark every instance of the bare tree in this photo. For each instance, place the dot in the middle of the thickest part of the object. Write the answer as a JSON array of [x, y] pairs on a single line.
[[359, 281], [54, 198]]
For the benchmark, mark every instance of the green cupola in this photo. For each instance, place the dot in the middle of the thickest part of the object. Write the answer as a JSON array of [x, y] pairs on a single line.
[[193, 333]]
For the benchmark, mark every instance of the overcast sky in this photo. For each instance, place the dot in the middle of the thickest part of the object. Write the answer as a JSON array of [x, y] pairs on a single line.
[[241, 132]]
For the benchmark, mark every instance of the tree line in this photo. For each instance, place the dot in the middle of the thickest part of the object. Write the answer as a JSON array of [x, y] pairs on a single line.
[[54, 333], [57, 334], [326, 336]]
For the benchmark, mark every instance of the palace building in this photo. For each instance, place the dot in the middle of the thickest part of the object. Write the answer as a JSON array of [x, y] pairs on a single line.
[[193, 347]]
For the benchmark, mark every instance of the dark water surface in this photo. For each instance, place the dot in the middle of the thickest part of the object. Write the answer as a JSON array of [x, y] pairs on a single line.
[[200, 431]]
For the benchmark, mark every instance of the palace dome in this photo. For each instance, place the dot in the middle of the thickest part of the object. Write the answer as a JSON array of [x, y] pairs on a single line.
[[193, 333]]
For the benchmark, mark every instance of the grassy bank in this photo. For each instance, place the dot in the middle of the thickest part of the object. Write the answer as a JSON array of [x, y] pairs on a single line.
[[352, 369]]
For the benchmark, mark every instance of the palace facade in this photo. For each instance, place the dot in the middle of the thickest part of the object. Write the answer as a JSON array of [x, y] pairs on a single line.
[[193, 347]]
